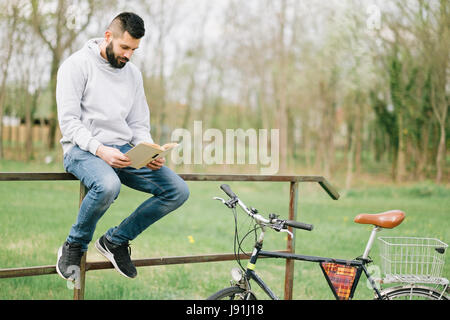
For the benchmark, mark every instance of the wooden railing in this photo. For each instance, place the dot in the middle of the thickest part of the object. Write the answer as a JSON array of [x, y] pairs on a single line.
[[96, 265]]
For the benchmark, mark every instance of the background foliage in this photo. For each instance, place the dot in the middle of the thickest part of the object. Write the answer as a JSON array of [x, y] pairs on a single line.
[[353, 86]]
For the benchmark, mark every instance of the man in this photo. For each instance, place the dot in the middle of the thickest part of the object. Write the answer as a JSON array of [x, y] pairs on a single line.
[[102, 112]]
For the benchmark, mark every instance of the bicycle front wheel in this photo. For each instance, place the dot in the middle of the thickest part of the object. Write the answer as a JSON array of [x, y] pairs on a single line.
[[412, 293], [232, 293]]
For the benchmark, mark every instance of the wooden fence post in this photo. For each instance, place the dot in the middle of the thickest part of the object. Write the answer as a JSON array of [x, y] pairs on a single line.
[[78, 289], [289, 273]]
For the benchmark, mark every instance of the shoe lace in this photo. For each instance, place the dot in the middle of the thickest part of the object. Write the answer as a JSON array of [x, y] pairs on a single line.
[[123, 252], [74, 255]]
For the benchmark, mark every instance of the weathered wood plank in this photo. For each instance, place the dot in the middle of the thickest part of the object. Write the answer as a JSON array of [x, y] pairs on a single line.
[[48, 176]]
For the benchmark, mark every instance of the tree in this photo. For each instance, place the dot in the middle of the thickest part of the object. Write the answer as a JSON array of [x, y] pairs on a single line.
[[11, 19], [439, 67], [163, 19], [414, 41]]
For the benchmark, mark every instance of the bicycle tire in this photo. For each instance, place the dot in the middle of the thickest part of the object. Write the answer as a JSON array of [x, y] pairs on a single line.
[[413, 293], [232, 293]]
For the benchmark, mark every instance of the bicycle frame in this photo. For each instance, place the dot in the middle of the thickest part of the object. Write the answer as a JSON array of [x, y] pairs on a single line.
[[359, 263]]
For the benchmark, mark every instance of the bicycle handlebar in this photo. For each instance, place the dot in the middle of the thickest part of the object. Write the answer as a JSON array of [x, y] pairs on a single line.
[[299, 225], [226, 188], [275, 223]]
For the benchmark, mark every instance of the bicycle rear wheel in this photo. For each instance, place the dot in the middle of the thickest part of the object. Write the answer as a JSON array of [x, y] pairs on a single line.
[[232, 293], [409, 292]]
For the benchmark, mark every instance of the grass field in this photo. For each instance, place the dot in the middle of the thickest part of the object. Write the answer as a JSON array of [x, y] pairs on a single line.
[[35, 218]]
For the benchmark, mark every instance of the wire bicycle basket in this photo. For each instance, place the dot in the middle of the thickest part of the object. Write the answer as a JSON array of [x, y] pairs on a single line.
[[413, 260]]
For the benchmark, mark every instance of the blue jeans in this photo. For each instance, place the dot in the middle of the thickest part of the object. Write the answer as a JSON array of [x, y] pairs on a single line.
[[104, 182]]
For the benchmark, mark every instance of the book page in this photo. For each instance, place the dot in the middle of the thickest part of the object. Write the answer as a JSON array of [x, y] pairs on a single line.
[[144, 153]]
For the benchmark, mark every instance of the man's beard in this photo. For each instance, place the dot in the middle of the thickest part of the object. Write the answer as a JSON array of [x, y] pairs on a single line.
[[113, 59]]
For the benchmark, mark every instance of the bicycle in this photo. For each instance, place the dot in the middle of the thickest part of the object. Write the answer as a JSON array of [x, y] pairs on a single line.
[[412, 262]]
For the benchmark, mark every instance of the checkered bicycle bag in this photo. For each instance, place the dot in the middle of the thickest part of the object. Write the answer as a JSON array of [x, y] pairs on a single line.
[[341, 278]]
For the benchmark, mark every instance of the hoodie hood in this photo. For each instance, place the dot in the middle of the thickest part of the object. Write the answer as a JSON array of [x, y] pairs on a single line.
[[93, 46]]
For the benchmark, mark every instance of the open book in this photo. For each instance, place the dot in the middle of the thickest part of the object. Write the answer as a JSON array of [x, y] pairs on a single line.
[[145, 152]]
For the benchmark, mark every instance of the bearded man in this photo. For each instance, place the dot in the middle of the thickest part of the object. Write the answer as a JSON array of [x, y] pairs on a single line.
[[103, 113]]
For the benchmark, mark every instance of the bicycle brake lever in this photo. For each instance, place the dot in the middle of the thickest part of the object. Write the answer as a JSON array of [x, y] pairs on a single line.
[[230, 203], [279, 227], [220, 199], [287, 231]]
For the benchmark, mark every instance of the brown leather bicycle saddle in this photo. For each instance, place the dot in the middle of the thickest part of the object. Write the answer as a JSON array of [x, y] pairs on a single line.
[[388, 219]]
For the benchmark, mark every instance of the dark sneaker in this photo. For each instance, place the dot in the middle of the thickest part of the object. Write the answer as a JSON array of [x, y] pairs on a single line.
[[119, 255], [69, 260]]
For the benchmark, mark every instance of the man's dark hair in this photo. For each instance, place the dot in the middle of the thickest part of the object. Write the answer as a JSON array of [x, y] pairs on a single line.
[[130, 22]]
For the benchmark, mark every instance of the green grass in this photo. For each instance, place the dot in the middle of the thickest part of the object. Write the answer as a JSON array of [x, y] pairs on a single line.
[[35, 218]]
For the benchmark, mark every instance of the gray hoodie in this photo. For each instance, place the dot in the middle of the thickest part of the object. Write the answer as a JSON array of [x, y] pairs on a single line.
[[99, 104]]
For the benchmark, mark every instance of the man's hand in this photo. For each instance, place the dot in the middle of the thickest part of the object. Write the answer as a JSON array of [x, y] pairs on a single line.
[[156, 164], [113, 157]]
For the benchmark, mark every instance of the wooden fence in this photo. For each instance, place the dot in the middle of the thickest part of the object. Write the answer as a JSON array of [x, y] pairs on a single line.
[[88, 266]]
